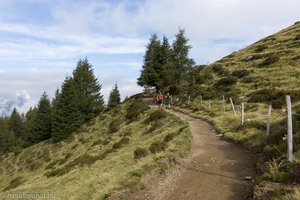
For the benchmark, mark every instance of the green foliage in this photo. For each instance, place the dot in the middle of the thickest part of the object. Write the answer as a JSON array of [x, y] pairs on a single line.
[[41, 123], [87, 87], [219, 69], [82, 160], [224, 85], [227, 81], [249, 79], [124, 140], [152, 66], [240, 73], [114, 98], [270, 60], [15, 124], [136, 108], [274, 97], [297, 37], [140, 153], [66, 117], [14, 183], [165, 66], [155, 125], [114, 126], [261, 48], [275, 173], [8, 140], [156, 115], [157, 147]]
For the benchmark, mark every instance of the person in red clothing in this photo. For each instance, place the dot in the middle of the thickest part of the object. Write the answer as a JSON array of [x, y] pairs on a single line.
[[160, 98]]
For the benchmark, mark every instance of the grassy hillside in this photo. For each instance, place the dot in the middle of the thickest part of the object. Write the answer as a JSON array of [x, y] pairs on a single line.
[[270, 65], [258, 76], [108, 154]]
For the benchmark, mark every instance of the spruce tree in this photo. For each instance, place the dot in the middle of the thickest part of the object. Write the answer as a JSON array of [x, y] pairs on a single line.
[[114, 98], [29, 125], [180, 56], [150, 73], [16, 124], [88, 89], [66, 117], [41, 126]]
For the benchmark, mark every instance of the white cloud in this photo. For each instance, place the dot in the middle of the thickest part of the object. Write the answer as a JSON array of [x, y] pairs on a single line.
[[18, 101], [82, 28]]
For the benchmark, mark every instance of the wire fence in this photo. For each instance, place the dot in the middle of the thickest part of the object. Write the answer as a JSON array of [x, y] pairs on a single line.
[[284, 113]]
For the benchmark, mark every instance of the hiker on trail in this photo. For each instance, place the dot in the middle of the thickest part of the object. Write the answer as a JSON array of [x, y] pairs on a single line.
[[168, 100], [160, 98]]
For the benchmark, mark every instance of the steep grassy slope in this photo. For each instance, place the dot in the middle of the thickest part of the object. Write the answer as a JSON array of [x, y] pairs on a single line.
[[271, 65], [258, 76], [108, 154]]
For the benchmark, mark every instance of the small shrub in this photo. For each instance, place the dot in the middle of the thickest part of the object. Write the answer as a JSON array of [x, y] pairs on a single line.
[[279, 193], [260, 48], [270, 60], [169, 137], [140, 153], [240, 73], [274, 172], [14, 183], [118, 144], [74, 146], [227, 81], [157, 147], [44, 155], [136, 173], [248, 79], [156, 115], [136, 108], [114, 126], [155, 126], [297, 37], [219, 69], [273, 96], [65, 159], [252, 58], [163, 167], [82, 160], [52, 164]]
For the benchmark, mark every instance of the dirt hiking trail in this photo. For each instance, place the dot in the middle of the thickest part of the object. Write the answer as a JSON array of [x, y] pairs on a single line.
[[217, 169], [214, 170]]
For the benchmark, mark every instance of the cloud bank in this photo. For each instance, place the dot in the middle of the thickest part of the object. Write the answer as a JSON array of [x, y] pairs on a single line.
[[41, 40]]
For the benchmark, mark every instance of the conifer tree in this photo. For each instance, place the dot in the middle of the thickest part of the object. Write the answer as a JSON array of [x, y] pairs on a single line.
[[66, 117], [6, 136], [180, 56], [29, 124], [88, 89], [114, 98], [150, 73], [16, 124], [41, 126]]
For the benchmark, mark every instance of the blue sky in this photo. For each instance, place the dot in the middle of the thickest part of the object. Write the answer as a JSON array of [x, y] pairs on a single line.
[[41, 40]]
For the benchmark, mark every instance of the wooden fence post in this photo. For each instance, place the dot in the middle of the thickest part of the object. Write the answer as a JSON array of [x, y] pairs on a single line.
[[201, 99], [209, 104], [234, 113], [243, 114], [189, 100], [269, 119], [289, 129]]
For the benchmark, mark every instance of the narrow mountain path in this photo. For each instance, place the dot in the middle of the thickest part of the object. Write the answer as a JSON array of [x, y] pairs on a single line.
[[214, 170], [217, 168]]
